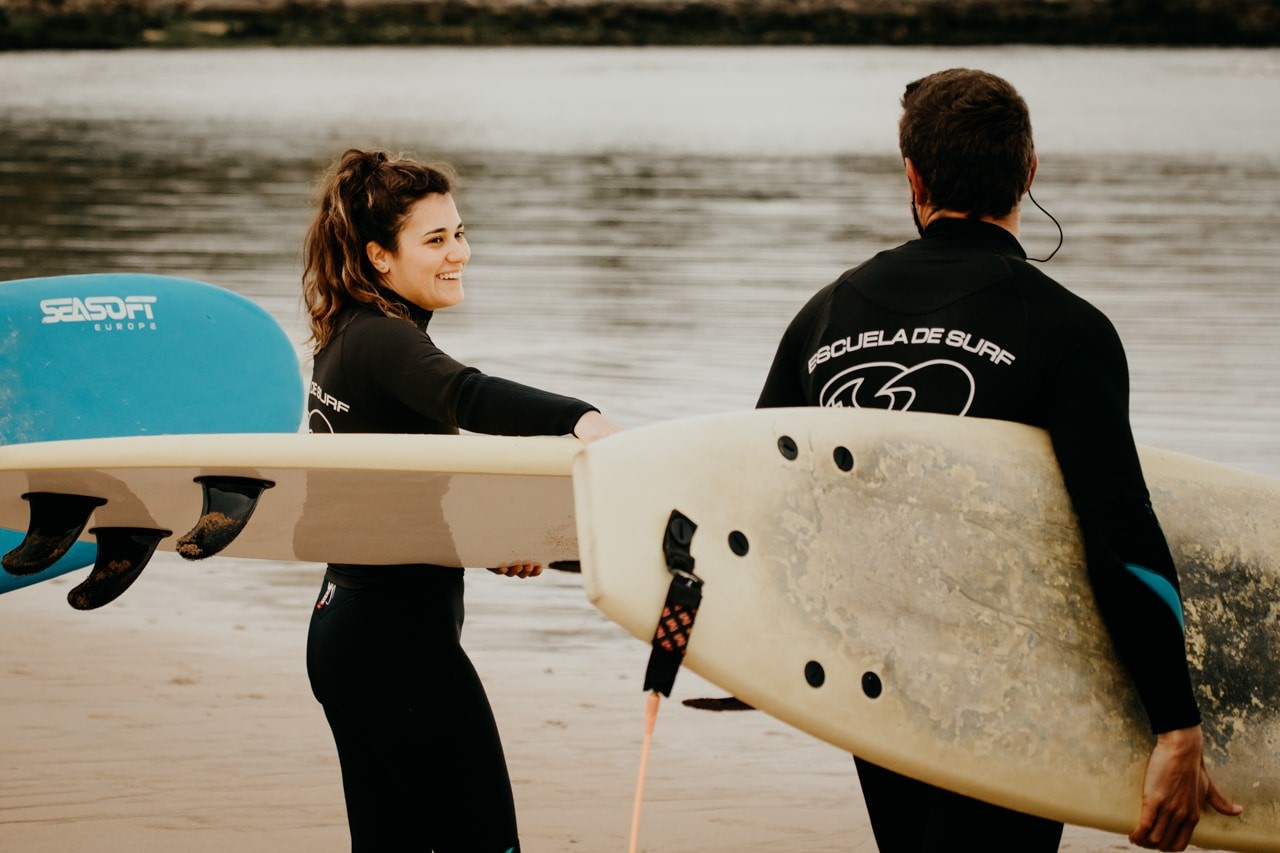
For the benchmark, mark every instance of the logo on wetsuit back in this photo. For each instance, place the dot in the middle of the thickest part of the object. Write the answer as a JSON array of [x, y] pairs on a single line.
[[893, 386], [106, 313], [317, 421]]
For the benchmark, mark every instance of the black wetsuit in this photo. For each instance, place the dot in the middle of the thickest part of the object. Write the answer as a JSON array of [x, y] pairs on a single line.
[[422, 762], [958, 322]]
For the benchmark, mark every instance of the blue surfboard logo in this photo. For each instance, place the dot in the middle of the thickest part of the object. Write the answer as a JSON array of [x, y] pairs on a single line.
[[118, 311]]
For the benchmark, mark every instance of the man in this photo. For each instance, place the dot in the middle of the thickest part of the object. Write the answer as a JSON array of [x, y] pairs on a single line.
[[1016, 346]]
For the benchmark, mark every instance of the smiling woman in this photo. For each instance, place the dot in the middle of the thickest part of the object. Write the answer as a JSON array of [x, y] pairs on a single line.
[[427, 268], [406, 707]]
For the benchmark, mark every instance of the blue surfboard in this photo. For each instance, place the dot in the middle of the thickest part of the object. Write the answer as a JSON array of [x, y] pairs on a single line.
[[95, 356]]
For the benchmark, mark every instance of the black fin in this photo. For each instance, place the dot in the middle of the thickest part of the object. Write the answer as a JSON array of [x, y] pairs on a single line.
[[228, 503], [123, 552], [728, 703], [56, 523], [572, 566]]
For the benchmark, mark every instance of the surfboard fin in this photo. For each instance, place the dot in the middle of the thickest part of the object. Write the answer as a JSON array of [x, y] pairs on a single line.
[[228, 504], [123, 552], [709, 703], [57, 521]]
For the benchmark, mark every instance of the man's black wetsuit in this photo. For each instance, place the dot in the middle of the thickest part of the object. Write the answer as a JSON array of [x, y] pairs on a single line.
[[422, 762], [958, 322]]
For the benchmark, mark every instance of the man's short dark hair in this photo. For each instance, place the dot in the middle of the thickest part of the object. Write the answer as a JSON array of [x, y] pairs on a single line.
[[968, 133]]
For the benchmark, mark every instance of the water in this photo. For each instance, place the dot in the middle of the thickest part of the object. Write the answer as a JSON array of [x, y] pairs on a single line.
[[646, 221]]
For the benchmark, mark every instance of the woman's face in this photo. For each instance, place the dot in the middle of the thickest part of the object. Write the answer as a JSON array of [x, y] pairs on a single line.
[[426, 267]]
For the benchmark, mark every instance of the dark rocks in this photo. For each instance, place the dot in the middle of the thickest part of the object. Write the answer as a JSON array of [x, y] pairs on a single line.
[[29, 24]]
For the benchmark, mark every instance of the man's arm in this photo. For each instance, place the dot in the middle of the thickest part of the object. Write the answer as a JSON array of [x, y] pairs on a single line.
[[1134, 580]]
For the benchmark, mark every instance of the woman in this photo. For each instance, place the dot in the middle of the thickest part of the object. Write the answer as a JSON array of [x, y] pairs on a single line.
[[422, 763]]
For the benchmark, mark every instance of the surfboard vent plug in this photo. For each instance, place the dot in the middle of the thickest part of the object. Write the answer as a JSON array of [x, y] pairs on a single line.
[[123, 552], [56, 523], [872, 686], [814, 674], [228, 504]]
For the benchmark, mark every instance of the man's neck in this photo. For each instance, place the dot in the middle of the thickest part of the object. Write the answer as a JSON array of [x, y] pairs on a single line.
[[1008, 222]]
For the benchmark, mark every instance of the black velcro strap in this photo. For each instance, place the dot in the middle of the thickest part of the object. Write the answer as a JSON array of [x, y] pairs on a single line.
[[671, 637]]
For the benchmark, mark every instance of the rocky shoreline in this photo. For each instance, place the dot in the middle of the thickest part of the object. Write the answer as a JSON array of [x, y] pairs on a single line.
[[87, 24]]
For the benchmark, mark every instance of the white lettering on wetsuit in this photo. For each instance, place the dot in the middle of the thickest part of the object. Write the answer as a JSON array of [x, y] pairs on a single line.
[[924, 335], [327, 399]]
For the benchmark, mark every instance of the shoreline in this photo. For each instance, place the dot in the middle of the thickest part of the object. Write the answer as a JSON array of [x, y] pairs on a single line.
[[114, 24]]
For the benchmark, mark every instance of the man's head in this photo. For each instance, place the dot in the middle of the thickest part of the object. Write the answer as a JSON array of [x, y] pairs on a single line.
[[968, 135]]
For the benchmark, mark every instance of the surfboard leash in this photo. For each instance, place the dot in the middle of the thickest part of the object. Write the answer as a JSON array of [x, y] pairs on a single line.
[[650, 718], [670, 640]]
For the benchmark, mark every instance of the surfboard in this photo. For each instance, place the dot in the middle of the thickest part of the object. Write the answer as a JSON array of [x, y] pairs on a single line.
[[911, 588], [472, 501], [85, 356]]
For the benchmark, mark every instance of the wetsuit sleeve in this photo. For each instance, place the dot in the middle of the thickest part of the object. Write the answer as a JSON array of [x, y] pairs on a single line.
[[1132, 572], [402, 362], [785, 385], [496, 406]]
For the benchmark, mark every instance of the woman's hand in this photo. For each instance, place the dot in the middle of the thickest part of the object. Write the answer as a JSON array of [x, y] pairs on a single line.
[[1176, 787], [519, 570], [594, 426], [590, 427]]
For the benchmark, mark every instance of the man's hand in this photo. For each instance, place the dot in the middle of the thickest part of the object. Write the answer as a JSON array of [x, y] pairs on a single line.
[[519, 570], [1176, 787]]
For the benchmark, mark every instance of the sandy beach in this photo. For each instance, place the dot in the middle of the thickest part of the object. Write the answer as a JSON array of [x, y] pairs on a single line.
[[179, 718]]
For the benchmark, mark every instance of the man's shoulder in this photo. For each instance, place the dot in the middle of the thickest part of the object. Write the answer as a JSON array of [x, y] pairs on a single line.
[[1040, 285]]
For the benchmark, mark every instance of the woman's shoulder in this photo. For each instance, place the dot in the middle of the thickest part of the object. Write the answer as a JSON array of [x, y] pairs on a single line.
[[367, 336], [362, 319]]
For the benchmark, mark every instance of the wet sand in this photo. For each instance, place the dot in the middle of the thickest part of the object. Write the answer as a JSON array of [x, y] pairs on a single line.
[[179, 719]]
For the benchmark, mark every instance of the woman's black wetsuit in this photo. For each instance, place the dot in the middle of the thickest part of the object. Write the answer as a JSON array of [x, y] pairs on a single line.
[[422, 762], [958, 322]]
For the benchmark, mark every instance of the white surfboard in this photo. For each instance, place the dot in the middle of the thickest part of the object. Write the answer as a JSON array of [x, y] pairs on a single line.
[[911, 588], [470, 501]]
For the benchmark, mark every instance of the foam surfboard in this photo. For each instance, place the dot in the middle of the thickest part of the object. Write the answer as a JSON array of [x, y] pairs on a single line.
[[87, 356], [472, 501], [911, 588]]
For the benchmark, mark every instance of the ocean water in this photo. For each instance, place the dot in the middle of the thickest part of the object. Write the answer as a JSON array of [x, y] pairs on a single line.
[[646, 221]]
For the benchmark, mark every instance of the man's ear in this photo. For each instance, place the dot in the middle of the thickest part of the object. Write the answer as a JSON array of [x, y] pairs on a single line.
[[918, 191], [1035, 162]]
